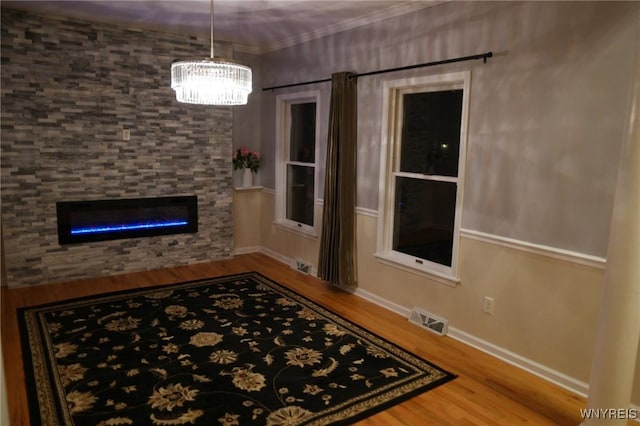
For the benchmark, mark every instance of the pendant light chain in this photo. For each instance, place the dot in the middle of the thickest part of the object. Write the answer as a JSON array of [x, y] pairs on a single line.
[[211, 28]]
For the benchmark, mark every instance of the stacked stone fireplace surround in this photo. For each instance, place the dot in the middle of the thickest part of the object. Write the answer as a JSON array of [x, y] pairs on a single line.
[[69, 89]]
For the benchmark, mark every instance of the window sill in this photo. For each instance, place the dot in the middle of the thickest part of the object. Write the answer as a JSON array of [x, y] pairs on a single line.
[[285, 226], [247, 188], [395, 262]]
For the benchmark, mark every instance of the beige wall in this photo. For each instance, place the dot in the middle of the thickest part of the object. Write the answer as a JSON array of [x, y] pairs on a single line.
[[254, 228], [247, 218], [546, 124], [282, 242], [546, 307]]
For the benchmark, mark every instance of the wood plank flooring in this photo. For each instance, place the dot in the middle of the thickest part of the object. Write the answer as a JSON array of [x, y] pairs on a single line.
[[486, 392]]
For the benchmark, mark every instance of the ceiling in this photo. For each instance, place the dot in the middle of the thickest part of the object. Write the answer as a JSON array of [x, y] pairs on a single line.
[[253, 26]]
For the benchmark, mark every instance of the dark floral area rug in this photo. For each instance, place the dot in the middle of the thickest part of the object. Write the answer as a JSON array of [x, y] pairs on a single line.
[[236, 350]]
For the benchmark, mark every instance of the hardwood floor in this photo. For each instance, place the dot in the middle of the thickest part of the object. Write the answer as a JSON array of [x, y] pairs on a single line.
[[486, 392]]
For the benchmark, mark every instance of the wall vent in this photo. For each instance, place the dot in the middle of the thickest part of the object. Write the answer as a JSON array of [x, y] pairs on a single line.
[[301, 266], [429, 321]]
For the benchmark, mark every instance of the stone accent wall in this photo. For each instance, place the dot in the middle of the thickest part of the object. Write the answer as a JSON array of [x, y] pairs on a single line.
[[69, 88]]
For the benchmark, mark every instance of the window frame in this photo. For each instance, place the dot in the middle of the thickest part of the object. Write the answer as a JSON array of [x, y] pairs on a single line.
[[390, 150], [283, 146]]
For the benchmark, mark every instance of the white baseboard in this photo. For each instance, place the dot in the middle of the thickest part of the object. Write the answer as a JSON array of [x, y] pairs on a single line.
[[576, 386], [393, 307], [247, 250], [284, 259]]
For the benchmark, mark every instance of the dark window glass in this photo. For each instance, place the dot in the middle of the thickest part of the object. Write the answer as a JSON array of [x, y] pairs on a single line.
[[300, 194], [424, 219], [431, 132], [303, 133]]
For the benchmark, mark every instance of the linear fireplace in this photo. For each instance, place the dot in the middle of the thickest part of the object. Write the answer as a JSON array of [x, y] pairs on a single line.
[[101, 220]]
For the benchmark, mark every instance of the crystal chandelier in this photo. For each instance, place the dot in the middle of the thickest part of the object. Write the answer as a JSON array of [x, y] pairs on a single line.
[[211, 81]]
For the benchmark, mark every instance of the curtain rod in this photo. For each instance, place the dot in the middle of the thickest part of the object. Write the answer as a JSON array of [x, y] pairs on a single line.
[[483, 56]]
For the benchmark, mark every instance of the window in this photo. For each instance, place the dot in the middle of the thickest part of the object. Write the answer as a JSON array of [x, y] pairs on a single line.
[[422, 173], [297, 134]]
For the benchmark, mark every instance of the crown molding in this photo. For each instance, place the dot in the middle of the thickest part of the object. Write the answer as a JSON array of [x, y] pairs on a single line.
[[381, 15], [246, 48]]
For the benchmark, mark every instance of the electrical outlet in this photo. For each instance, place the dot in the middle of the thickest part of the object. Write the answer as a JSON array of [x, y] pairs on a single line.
[[488, 304], [126, 134]]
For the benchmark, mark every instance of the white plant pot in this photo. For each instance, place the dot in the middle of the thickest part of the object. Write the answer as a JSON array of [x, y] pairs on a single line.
[[247, 178]]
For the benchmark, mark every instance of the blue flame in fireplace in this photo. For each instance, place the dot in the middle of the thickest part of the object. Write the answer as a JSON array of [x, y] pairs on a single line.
[[126, 227]]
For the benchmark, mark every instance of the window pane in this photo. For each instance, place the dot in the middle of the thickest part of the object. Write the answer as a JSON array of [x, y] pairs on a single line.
[[300, 196], [303, 133], [431, 132], [424, 219]]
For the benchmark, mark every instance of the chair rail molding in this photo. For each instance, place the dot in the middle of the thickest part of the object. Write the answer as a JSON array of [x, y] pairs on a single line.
[[540, 249]]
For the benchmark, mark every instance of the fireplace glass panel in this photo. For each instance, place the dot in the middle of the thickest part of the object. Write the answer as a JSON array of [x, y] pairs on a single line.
[[100, 220]]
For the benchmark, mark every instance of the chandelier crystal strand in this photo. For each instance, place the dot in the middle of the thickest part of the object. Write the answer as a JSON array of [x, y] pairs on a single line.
[[211, 81]]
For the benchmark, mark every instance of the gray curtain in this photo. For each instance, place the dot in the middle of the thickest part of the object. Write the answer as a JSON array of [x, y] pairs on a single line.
[[337, 262]]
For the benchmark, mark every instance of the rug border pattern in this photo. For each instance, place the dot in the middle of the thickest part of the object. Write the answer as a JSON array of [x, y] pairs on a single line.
[[42, 403]]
